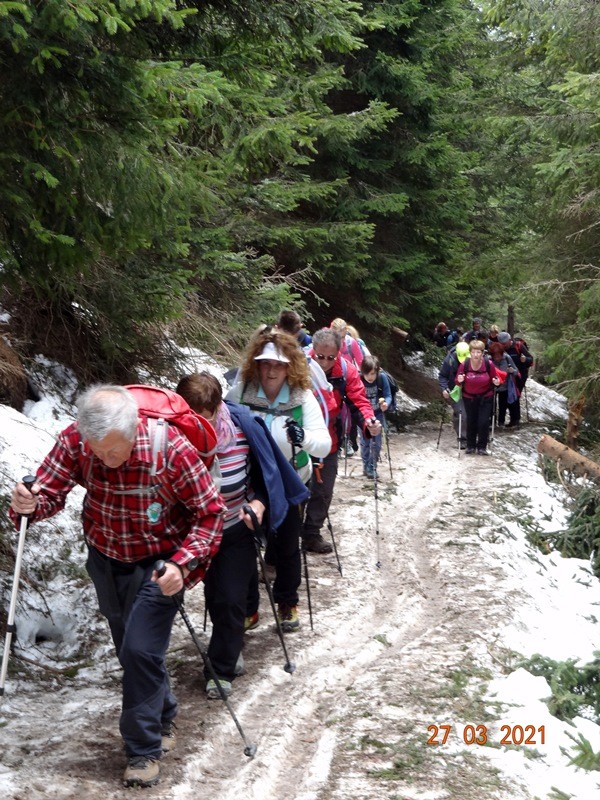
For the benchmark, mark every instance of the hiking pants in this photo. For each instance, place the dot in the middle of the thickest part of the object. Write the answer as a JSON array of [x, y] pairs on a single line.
[[514, 409], [283, 551], [502, 398], [369, 450], [226, 587], [321, 495], [458, 424], [140, 619], [479, 413]]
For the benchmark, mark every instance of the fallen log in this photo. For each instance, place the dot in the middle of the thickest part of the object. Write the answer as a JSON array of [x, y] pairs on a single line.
[[569, 459]]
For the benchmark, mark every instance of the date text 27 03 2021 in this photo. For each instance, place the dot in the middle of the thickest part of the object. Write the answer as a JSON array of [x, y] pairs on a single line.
[[478, 734]]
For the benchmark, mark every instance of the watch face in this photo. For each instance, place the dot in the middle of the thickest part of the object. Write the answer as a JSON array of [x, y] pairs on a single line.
[[192, 564]]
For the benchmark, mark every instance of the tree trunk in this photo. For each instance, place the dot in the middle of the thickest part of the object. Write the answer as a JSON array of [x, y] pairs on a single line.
[[574, 421], [569, 459], [510, 320]]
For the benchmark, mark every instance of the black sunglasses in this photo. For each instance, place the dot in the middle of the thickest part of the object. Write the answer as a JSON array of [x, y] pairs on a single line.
[[321, 357]]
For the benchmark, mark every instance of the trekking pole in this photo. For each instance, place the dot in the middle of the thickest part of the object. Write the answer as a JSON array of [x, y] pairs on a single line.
[[387, 439], [493, 416], [441, 425], [289, 421], [526, 403], [28, 480], [372, 445], [249, 749], [319, 478], [259, 539], [459, 429], [335, 550]]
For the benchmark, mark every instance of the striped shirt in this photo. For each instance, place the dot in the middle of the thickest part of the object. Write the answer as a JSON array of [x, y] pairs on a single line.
[[235, 469], [128, 515]]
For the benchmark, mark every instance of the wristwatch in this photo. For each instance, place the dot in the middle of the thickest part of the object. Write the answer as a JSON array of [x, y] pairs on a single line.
[[191, 565]]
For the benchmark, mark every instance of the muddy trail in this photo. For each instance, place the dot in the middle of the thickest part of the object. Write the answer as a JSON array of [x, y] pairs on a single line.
[[395, 649]]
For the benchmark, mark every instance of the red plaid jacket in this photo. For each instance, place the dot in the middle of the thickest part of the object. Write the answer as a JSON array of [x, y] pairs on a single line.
[[129, 515]]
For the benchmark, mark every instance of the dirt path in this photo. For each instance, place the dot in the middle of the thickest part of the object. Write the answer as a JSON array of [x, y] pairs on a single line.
[[394, 650]]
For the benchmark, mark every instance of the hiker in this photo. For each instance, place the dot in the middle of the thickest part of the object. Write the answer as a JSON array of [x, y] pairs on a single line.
[[379, 395], [275, 383], [254, 471], [476, 332], [508, 373], [477, 377], [290, 322], [518, 350], [440, 334], [492, 336], [347, 387], [351, 351], [108, 451], [355, 335], [447, 381], [350, 348]]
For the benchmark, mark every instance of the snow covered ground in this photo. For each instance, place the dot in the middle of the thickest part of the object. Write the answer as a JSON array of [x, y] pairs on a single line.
[[459, 581]]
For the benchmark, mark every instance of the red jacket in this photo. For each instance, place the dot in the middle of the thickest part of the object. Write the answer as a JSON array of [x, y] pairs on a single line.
[[347, 388]]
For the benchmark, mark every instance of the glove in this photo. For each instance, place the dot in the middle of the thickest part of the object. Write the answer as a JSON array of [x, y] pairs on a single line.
[[295, 431]]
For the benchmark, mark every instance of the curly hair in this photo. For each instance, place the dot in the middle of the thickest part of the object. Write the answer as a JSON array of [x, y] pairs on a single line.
[[298, 375]]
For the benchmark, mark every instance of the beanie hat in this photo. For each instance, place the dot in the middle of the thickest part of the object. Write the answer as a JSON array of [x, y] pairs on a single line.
[[504, 337], [462, 351]]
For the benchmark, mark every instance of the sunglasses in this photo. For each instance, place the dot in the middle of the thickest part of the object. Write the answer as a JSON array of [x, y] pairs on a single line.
[[321, 357]]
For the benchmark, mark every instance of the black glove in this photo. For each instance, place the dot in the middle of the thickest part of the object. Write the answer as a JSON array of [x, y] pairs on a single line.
[[295, 431]]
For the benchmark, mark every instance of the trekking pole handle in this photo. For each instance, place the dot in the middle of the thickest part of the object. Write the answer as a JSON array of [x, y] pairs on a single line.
[[247, 509], [160, 568], [28, 482]]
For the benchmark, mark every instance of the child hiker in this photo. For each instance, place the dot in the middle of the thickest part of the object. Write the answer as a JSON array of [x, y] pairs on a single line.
[[379, 395]]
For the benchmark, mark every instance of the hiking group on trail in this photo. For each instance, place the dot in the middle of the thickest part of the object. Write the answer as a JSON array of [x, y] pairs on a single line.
[[482, 376], [188, 485], [182, 486]]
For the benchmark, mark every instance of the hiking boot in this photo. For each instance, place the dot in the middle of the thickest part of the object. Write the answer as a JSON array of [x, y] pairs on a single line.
[[349, 449], [482, 452], [169, 736], [288, 617], [315, 543], [251, 622], [212, 691], [368, 473], [470, 451], [463, 445], [141, 771]]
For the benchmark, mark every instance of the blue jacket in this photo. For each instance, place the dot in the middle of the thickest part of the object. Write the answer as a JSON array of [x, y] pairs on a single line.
[[284, 487]]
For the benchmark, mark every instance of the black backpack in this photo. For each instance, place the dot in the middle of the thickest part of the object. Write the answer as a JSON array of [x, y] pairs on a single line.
[[393, 388]]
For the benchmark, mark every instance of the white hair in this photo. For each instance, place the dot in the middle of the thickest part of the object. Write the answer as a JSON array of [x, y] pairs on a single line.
[[327, 336], [104, 408]]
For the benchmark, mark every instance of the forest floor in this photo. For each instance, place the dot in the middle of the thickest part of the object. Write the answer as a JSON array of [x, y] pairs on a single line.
[[395, 649]]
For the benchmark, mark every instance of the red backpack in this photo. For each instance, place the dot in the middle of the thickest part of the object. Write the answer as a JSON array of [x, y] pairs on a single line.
[[164, 407]]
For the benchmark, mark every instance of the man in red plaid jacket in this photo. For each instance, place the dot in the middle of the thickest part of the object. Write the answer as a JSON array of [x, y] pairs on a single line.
[[131, 519]]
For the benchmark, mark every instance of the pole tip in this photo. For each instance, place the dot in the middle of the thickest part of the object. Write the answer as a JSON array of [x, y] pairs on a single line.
[[250, 750]]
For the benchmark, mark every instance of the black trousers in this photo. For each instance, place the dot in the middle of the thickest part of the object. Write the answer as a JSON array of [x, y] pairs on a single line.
[[514, 409], [283, 551], [321, 494], [479, 414], [226, 587]]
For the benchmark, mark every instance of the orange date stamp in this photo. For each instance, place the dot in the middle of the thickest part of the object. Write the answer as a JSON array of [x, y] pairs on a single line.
[[479, 734]]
